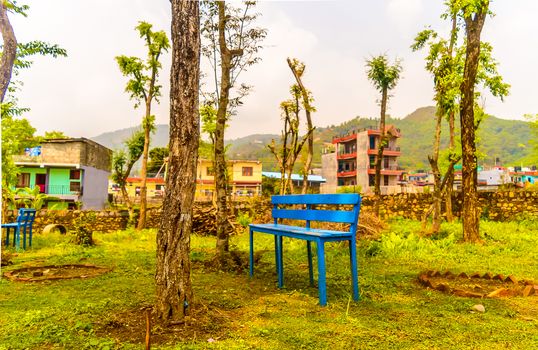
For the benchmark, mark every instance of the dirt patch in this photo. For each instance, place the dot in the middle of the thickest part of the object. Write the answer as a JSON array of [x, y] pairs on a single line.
[[55, 272], [205, 324], [477, 285]]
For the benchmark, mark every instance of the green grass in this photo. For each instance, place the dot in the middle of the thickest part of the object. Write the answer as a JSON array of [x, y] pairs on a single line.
[[394, 313]]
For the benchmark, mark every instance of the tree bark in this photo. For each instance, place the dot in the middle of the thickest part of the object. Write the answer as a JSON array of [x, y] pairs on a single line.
[[434, 162], [221, 179], [143, 171], [173, 282], [470, 211], [9, 52], [449, 189], [380, 149]]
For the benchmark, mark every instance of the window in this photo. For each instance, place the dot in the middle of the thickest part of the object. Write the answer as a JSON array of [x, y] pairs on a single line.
[[385, 180], [74, 186], [23, 180], [247, 171], [210, 171], [74, 175]]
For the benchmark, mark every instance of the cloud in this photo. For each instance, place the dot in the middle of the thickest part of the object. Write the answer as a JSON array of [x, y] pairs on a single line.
[[404, 12]]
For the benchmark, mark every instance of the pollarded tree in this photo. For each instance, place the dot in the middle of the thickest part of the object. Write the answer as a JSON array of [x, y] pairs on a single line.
[[172, 278], [384, 77], [445, 62], [473, 13], [291, 145], [297, 68], [122, 164], [231, 43], [143, 88]]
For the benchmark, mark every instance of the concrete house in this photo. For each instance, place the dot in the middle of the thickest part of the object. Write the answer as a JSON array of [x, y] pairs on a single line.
[[352, 163], [74, 170]]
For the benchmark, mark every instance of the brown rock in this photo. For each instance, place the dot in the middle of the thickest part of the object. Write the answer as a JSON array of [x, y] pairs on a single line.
[[435, 273], [449, 275], [466, 294], [501, 292], [487, 275], [498, 277], [511, 279], [527, 290], [476, 275], [442, 287], [463, 275]]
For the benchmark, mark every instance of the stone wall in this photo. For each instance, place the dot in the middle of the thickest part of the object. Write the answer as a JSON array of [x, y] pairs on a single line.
[[498, 206]]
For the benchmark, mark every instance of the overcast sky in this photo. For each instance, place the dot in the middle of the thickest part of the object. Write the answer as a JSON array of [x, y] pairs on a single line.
[[83, 94]]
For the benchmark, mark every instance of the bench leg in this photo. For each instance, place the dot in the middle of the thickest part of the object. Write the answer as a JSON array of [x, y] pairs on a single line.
[[310, 270], [17, 238], [322, 284], [354, 268], [251, 255], [23, 237], [30, 237], [7, 236], [280, 264]]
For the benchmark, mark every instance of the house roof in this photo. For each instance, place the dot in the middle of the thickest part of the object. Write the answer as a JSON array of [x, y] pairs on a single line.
[[294, 177]]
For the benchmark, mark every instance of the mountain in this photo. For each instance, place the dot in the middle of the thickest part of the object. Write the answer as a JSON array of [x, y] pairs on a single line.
[[507, 140]]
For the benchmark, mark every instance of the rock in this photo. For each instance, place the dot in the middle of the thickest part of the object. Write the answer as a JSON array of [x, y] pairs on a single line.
[[527, 290], [511, 279], [501, 292], [479, 308]]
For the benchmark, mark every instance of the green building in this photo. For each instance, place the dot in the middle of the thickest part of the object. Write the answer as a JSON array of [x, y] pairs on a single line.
[[74, 170]]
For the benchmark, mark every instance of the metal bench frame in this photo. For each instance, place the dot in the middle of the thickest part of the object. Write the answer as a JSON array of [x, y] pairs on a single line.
[[320, 236]]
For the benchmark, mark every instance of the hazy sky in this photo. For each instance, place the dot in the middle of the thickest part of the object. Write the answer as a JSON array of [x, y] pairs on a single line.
[[83, 95]]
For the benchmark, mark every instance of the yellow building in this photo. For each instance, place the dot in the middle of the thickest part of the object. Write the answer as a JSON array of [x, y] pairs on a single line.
[[245, 180]]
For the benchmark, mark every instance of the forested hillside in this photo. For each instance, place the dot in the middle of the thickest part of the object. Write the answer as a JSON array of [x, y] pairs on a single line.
[[507, 140]]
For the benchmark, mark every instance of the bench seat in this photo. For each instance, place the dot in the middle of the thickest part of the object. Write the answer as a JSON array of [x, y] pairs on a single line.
[[295, 231]]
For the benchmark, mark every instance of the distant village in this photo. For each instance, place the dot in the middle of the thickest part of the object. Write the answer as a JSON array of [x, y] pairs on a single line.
[[76, 173]]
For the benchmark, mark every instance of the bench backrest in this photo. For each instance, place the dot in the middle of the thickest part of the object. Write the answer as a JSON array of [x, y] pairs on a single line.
[[26, 216], [308, 214]]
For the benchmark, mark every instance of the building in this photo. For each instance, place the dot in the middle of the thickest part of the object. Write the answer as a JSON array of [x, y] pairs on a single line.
[[244, 180], [352, 161], [75, 171], [314, 181]]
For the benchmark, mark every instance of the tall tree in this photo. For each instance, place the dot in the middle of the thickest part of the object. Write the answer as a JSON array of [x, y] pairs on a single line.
[[9, 51], [143, 88], [231, 42], [384, 77], [473, 13], [172, 277], [122, 165], [297, 68]]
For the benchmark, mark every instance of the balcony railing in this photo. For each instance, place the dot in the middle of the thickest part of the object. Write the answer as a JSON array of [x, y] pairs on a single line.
[[58, 190]]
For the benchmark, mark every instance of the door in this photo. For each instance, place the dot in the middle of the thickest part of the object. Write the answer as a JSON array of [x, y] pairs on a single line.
[[41, 182]]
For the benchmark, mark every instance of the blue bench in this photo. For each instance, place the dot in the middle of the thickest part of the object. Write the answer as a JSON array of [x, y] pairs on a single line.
[[24, 224], [286, 207]]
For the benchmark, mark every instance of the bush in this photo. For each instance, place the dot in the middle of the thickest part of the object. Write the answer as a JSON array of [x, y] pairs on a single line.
[[349, 189]]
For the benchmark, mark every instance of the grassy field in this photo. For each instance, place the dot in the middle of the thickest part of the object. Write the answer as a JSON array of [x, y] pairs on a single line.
[[233, 312]]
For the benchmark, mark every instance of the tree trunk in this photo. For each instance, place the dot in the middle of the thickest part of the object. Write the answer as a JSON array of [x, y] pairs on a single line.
[[172, 277], [128, 202], [434, 162], [449, 189], [306, 104], [470, 210], [143, 171], [223, 244], [380, 148], [9, 52]]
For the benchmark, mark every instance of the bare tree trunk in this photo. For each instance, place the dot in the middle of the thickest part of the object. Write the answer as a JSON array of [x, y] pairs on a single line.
[[437, 190], [380, 149], [9, 52], [128, 202], [470, 210], [172, 277], [226, 55], [143, 171], [308, 109], [449, 189]]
